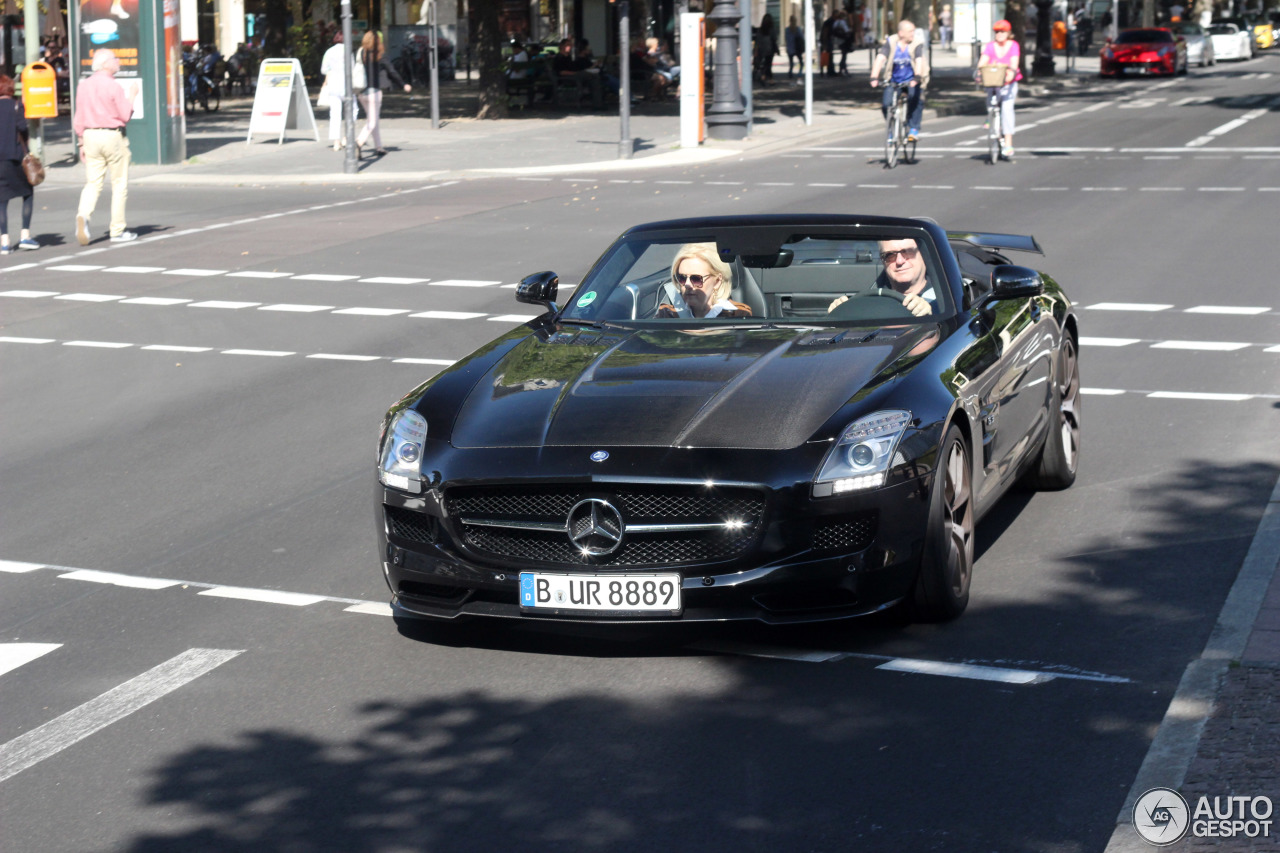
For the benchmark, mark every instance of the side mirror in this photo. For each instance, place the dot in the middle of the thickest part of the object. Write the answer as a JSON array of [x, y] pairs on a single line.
[[1013, 282], [539, 289]]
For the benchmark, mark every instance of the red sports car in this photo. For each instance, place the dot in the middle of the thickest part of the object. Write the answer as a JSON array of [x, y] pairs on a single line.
[[1156, 50]]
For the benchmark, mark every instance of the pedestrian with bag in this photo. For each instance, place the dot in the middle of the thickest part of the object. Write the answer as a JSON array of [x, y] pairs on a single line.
[[103, 109], [14, 182], [333, 65], [378, 75]]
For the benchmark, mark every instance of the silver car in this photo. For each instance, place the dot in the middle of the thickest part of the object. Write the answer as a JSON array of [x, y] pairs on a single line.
[[1200, 49]]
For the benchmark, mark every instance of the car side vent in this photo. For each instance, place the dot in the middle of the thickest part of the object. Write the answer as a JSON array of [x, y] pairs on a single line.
[[407, 524], [847, 534]]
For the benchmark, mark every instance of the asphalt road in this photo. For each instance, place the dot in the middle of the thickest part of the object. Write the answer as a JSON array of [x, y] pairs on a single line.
[[195, 652]]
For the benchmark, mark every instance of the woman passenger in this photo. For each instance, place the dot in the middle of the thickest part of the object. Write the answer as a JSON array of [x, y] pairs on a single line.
[[705, 282]]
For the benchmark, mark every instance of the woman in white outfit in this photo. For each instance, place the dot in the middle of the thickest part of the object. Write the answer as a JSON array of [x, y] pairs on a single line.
[[334, 89]]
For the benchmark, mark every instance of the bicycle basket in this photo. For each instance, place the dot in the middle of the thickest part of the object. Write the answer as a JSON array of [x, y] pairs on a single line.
[[992, 76]]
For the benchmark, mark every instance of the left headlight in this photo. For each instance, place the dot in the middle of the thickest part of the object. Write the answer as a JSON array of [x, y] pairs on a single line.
[[401, 463], [863, 455]]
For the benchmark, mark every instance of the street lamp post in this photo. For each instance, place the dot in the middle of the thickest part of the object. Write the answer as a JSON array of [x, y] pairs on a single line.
[[727, 117], [433, 34], [625, 146], [349, 164]]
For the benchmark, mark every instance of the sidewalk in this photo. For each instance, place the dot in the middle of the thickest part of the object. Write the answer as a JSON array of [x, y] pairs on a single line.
[[538, 139], [1221, 735]]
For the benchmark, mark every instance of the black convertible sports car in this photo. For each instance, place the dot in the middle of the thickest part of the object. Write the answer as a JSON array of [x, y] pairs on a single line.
[[817, 444]]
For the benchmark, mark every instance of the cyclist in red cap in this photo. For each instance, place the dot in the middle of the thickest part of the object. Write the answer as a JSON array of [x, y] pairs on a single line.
[[1003, 50]]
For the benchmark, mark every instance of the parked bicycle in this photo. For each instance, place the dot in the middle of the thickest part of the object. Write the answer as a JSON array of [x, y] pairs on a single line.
[[897, 143], [203, 71]]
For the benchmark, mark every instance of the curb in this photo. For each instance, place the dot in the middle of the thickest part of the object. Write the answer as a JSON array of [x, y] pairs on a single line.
[[1178, 738]]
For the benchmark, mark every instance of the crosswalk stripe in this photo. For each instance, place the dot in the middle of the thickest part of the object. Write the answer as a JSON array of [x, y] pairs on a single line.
[[267, 596], [45, 741], [14, 655], [16, 568], [116, 579]]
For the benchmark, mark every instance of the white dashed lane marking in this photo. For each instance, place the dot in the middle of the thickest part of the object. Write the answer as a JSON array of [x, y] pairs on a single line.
[[996, 671], [442, 362]]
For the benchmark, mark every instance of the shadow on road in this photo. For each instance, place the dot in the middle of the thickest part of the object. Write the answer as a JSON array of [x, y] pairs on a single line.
[[745, 753]]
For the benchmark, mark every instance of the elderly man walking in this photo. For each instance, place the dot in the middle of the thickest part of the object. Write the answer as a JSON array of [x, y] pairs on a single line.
[[103, 108]]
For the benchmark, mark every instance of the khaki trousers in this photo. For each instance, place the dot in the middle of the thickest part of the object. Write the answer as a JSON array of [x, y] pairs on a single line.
[[106, 151]]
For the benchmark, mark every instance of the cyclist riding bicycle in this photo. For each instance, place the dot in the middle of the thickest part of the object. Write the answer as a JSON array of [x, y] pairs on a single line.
[[1003, 50], [903, 59]]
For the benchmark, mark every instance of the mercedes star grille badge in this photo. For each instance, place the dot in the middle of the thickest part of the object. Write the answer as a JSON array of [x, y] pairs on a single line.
[[595, 527]]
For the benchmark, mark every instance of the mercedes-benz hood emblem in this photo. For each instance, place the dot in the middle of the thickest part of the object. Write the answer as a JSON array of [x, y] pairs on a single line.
[[595, 527]]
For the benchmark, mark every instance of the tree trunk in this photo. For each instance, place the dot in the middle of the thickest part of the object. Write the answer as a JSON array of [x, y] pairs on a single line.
[[1015, 12], [277, 30], [488, 44]]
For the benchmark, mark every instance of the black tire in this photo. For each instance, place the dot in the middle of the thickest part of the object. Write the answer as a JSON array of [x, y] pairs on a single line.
[[214, 100], [993, 138], [946, 565], [1060, 456], [910, 154], [893, 139]]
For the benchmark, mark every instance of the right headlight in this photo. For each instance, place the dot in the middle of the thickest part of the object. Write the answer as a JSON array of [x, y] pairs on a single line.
[[401, 463], [863, 455]]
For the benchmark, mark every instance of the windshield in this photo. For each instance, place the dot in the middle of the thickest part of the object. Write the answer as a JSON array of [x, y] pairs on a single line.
[[1223, 29], [1188, 29], [766, 275], [1144, 37]]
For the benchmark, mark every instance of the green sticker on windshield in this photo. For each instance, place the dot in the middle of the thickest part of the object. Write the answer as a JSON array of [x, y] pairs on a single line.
[[587, 299]]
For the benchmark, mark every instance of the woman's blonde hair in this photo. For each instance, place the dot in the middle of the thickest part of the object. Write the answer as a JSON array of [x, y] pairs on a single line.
[[372, 44], [707, 252]]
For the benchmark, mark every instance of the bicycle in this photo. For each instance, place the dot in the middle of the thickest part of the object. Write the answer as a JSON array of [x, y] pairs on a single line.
[[897, 145], [988, 75]]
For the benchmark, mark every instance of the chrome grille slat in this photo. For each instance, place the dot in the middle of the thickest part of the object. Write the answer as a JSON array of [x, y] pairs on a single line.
[[666, 525]]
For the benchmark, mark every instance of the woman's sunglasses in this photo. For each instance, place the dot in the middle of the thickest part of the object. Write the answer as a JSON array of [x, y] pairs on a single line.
[[694, 278]]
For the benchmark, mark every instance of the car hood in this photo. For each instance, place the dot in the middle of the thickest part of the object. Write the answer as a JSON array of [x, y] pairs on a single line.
[[768, 388]]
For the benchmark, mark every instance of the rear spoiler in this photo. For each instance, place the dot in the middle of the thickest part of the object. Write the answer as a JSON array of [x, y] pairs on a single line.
[[997, 242]]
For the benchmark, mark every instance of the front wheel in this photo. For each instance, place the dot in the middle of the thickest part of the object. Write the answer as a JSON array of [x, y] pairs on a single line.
[[891, 141], [214, 100], [993, 136], [1060, 456], [946, 566]]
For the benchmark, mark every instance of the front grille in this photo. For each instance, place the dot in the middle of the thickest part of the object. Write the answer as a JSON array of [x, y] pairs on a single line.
[[847, 534], [410, 525], [638, 504]]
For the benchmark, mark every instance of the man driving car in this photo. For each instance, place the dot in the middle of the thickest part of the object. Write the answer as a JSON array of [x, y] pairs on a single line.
[[905, 272]]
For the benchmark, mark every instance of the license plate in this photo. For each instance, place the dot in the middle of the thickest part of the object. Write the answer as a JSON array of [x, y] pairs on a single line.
[[605, 595]]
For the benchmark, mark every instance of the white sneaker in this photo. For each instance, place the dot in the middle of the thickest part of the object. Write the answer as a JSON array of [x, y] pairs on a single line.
[[124, 237]]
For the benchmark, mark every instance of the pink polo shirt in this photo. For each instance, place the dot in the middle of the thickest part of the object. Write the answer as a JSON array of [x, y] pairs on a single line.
[[101, 102]]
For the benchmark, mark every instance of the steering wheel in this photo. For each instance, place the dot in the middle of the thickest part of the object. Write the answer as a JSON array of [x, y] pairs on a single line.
[[849, 310], [676, 301], [886, 292]]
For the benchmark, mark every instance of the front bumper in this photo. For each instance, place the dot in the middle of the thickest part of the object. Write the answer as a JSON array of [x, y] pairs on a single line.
[[795, 569]]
